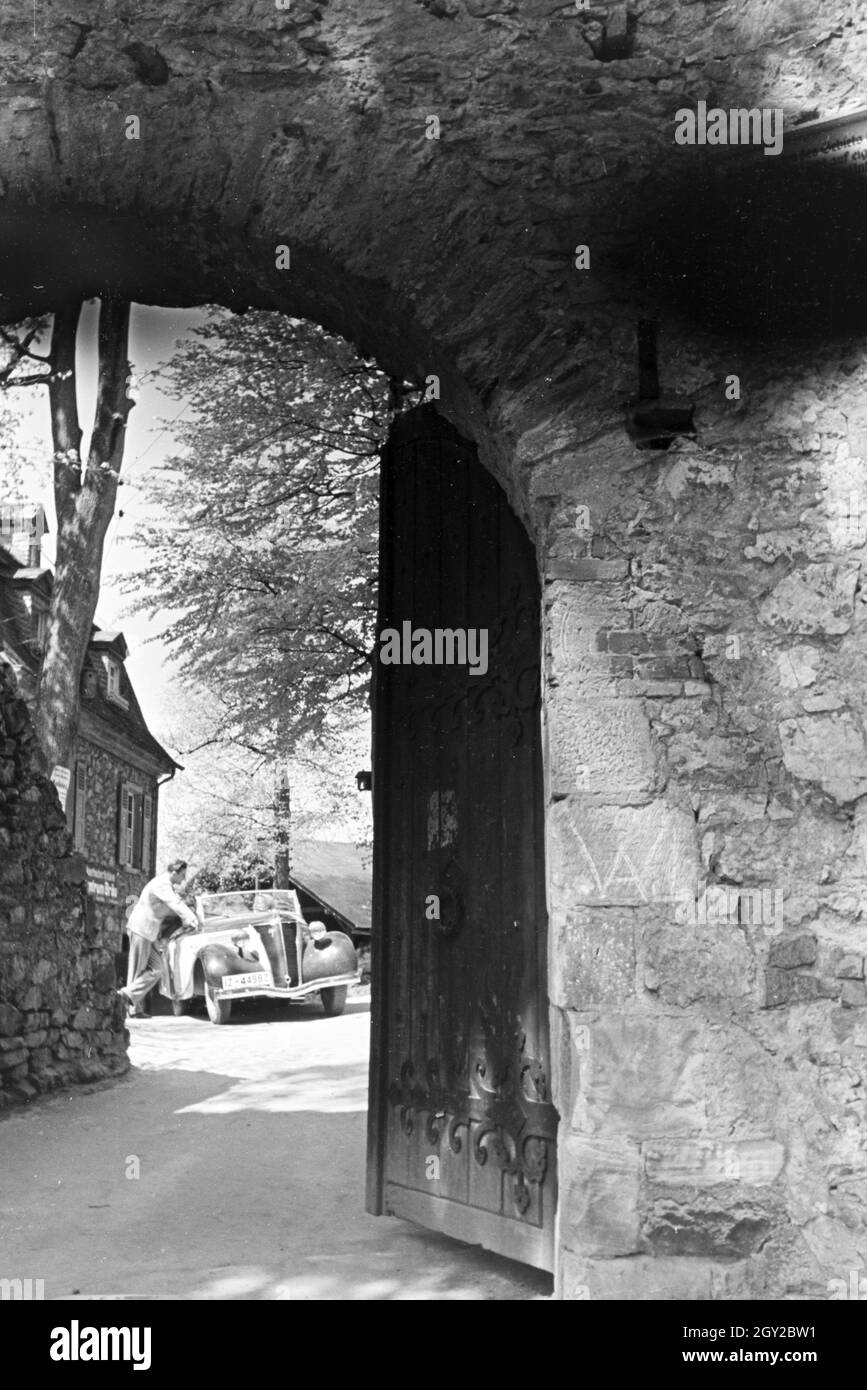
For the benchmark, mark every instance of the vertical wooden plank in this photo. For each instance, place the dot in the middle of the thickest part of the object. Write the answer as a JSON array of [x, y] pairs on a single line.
[[452, 855], [419, 591], [407, 508], [381, 720], [522, 879]]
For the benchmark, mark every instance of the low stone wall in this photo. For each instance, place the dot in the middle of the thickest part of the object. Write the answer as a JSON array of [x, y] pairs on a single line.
[[60, 1020]]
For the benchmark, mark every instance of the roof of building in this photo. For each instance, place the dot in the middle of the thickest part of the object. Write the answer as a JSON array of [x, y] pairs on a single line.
[[31, 574], [336, 873], [126, 720], [115, 640]]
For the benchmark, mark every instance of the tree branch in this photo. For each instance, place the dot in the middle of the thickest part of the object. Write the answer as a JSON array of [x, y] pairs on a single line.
[[65, 428], [20, 348], [37, 379]]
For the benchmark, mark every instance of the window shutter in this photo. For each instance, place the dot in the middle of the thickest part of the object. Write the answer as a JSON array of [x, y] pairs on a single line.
[[137, 829], [127, 826], [121, 824], [147, 834], [79, 833]]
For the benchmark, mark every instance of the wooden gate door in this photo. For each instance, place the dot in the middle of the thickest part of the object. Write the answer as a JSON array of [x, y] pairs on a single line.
[[462, 1130]]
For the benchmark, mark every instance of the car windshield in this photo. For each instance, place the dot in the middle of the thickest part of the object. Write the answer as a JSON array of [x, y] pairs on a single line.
[[217, 905]]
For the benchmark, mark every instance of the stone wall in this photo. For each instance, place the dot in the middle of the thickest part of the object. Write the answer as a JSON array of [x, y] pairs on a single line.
[[707, 842], [704, 634], [60, 1021]]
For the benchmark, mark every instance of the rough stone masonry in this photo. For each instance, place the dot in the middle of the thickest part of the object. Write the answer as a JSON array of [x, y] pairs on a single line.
[[705, 652], [60, 1021]]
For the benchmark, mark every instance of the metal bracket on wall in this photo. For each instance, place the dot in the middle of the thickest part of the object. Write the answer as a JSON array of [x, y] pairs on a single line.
[[654, 421]]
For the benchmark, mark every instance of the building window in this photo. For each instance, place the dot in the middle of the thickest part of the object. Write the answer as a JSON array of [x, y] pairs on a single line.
[[131, 826], [112, 676], [112, 682], [79, 807]]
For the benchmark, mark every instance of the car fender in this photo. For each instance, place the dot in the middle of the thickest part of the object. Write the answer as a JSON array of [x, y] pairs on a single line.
[[219, 960]]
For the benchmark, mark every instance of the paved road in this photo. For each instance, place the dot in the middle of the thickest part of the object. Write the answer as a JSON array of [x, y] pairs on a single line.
[[249, 1141]]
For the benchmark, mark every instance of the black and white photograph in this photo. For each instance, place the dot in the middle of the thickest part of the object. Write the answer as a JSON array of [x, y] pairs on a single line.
[[433, 654]]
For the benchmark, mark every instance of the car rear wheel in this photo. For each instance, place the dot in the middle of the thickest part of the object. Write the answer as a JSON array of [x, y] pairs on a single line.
[[181, 1007], [334, 1000], [219, 1010]]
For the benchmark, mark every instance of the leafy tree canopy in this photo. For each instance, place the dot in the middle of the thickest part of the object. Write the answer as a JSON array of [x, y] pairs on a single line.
[[262, 547], [221, 813]]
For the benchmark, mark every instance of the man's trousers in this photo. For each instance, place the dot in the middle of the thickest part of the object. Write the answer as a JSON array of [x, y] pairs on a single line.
[[145, 967]]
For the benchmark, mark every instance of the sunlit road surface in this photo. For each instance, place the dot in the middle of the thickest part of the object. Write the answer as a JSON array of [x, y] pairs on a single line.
[[249, 1142]]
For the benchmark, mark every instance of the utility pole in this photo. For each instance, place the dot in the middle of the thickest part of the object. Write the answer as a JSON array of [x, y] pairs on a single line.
[[282, 829]]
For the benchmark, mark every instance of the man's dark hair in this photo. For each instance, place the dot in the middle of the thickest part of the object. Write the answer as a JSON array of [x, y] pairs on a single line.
[[177, 866]]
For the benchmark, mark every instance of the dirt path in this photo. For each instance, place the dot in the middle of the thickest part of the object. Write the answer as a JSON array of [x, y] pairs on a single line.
[[250, 1145]]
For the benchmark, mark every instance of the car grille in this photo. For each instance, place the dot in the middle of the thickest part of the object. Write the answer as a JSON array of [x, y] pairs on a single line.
[[272, 940]]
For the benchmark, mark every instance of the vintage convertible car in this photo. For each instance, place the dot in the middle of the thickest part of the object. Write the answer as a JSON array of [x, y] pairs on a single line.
[[256, 943]]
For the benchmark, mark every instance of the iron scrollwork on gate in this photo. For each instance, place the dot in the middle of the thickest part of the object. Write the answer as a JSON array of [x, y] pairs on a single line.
[[505, 1110]]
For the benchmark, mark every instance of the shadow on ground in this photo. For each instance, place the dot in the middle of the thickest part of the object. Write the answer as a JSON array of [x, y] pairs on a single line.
[[229, 1164]]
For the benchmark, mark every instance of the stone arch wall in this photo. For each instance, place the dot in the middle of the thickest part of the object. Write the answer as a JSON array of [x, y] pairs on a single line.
[[307, 127], [711, 1079]]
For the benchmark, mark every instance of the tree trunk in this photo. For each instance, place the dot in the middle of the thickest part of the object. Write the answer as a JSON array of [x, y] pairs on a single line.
[[282, 835], [84, 501], [281, 869]]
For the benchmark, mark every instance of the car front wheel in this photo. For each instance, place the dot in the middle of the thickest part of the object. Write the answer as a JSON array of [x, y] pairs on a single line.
[[334, 1000], [219, 1010]]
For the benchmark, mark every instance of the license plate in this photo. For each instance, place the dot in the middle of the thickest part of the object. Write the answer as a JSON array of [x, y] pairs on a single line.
[[257, 977]]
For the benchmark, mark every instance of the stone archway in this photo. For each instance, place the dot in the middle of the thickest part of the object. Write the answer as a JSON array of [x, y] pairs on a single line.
[[703, 636]]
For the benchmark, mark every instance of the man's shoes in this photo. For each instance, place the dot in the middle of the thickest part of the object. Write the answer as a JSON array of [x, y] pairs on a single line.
[[133, 1010]]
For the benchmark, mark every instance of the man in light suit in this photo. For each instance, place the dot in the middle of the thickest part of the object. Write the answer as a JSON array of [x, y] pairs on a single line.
[[158, 900]]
